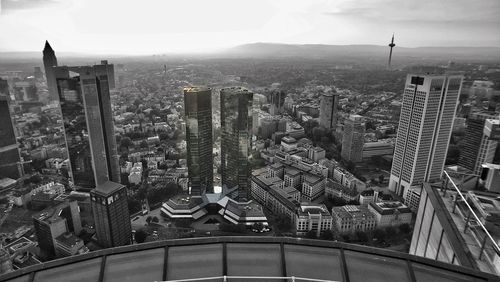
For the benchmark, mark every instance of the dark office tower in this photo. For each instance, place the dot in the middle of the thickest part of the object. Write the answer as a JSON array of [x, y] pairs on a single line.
[[106, 81], [4, 88], [198, 111], [86, 110], [49, 62], [10, 160], [479, 144], [277, 100], [236, 144], [328, 110], [111, 217]]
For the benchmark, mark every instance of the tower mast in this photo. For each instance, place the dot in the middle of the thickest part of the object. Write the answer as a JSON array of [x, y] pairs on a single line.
[[390, 54]]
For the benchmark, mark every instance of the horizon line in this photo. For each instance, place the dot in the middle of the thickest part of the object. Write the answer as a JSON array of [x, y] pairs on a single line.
[[225, 49]]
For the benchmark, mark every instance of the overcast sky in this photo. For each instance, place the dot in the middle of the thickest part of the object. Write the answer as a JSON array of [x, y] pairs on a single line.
[[161, 26]]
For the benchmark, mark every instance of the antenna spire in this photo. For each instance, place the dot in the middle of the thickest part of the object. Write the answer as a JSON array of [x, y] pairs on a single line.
[[390, 54]]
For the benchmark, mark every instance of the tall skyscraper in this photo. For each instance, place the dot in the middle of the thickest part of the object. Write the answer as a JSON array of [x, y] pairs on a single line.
[[236, 144], [427, 114], [49, 62], [10, 159], [198, 112], [480, 141], [111, 216], [277, 100], [328, 110], [88, 124], [353, 139]]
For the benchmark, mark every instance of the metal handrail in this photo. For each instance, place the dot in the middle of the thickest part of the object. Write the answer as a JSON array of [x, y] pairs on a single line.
[[488, 235], [225, 277]]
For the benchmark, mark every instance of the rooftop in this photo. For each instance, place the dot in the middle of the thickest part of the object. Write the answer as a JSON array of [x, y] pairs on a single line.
[[216, 257], [108, 187], [390, 207], [68, 239]]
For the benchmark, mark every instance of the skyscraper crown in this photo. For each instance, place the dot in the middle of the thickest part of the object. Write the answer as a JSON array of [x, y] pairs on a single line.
[[47, 47]]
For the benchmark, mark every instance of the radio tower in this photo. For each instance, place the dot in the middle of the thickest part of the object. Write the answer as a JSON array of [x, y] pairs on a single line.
[[390, 54]]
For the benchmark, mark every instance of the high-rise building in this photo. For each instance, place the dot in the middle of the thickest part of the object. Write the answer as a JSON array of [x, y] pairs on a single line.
[[4, 88], [328, 110], [10, 159], [111, 216], [277, 100], [236, 144], [445, 229], [490, 177], [198, 112], [88, 124], [428, 110], [55, 221], [49, 62], [353, 139], [480, 141]]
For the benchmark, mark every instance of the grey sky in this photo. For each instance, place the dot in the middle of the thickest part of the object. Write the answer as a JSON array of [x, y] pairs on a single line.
[[155, 26]]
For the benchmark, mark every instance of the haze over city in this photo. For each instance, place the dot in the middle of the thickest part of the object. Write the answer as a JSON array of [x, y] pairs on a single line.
[[154, 26]]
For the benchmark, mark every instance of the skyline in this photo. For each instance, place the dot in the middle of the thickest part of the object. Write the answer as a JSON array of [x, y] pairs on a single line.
[[155, 27]]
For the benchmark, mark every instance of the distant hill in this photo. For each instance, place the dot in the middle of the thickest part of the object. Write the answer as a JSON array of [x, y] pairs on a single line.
[[331, 51]]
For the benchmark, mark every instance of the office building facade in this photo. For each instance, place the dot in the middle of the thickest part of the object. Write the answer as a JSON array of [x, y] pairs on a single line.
[[111, 215], [353, 139], [10, 159], [473, 156], [429, 105], [328, 110], [198, 112], [236, 141], [88, 124]]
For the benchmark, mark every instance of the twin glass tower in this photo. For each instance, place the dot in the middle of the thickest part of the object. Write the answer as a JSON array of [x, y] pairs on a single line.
[[236, 144]]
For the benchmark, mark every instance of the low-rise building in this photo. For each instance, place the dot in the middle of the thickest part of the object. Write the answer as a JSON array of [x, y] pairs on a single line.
[[352, 218], [246, 213], [68, 244], [379, 148], [269, 193], [312, 217], [312, 187], [334, 189], [368, 196], [288, 143], [316, 153], [183, 206], [390, 213]]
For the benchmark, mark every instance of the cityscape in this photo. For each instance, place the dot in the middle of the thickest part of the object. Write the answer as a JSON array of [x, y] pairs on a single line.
[[297, 160]]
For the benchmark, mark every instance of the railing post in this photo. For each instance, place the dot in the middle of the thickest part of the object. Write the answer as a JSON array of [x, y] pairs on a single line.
[[467, 222], [482, 246], [455, 203], [293, 278], [445, 186], [225, 278]]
